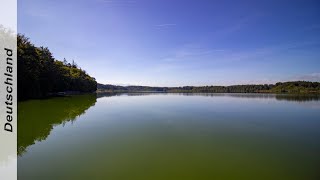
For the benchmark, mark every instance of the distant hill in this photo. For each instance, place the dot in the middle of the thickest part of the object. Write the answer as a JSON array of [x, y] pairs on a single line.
[[298, 87]]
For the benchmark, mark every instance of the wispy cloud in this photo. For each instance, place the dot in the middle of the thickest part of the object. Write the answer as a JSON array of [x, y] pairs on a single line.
[[165, 25], [234, 27], [190, 51], [106, 1], [225, 30], [257, 53], [118, 3], [238, 25], [202, 53]]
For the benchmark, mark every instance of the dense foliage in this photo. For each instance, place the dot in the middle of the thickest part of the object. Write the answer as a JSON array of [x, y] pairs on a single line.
[[40, 75], [286, 87], [113, 88], [297, 87], [223, 89]]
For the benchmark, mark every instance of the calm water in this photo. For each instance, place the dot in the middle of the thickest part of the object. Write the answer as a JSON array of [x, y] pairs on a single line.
[[170, 137]]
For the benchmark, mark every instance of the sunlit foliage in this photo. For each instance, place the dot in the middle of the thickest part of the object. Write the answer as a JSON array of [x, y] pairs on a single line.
[[40, 75]]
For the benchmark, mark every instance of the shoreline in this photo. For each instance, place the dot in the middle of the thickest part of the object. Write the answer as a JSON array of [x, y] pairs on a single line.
[[58, 94], [309, 93]]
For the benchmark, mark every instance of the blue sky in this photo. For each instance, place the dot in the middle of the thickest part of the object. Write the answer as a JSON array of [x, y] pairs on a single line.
[[180, 42]]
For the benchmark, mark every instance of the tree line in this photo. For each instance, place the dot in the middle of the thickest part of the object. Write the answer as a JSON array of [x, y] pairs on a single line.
[[298, 87], [41, 75]]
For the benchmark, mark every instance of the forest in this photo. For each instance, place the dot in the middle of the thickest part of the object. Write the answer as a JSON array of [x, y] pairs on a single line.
[[297, 87], [41, 75]]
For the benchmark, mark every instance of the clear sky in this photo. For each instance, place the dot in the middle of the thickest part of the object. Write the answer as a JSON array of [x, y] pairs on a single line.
[[180, 42]]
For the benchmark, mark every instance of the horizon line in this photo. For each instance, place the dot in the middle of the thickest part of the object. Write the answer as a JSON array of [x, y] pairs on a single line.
[[124, 85]]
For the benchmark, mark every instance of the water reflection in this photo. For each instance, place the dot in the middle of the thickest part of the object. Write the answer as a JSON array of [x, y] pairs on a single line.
[[37, 118], [170, 136], [298, 98]]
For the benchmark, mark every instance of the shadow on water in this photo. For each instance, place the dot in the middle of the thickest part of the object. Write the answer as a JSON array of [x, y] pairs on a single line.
[[36, 118]]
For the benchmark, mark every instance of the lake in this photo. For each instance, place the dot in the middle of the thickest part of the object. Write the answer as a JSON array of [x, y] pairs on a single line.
[[150, 136]]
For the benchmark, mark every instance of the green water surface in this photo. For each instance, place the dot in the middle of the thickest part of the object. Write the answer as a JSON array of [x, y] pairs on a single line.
[[170, 137]]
